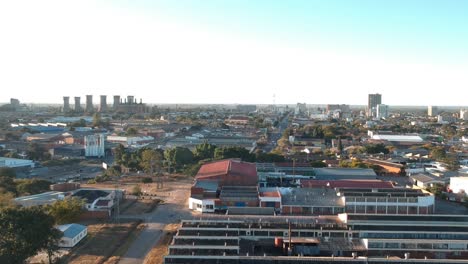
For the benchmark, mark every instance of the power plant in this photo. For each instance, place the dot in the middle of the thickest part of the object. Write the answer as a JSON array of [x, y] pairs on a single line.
[[89, 103], [66, 104], [77, 104], [129, 105]]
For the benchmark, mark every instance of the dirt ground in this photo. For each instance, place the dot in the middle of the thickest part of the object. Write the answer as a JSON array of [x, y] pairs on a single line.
[[135, 207], [105, 243], [156, 255]]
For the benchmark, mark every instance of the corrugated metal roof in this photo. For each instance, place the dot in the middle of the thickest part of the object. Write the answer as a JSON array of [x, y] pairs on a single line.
[[71, 230]]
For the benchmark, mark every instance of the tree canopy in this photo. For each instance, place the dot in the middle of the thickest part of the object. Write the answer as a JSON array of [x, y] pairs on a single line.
[[66, 211], [24, 232]]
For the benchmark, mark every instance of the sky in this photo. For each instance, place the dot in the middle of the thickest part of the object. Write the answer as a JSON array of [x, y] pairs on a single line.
[[236, 51]]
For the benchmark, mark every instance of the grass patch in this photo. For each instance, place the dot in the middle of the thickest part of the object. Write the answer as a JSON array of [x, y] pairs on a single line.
[[105, 242]]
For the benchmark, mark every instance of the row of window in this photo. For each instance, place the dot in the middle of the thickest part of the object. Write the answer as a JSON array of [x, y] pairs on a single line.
[[415, 236], [394, 245]]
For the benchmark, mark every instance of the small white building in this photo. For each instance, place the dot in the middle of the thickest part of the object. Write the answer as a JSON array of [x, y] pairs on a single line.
[[15, 163], [459, 184], [94, 145], [72, 234]]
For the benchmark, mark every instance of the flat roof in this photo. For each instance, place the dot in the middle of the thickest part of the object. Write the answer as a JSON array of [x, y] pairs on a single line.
[[47, 196], [312, 197]]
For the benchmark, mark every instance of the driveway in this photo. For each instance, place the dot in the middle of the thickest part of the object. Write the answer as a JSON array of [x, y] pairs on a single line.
[[173, 210]]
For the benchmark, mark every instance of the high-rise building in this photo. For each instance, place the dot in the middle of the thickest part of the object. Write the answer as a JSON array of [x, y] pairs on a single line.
[[374, 100], [89, 103], [116, 101], [77, 104], [464, 114], [382, 111], [103, 103], [66, 104], [432, 110]]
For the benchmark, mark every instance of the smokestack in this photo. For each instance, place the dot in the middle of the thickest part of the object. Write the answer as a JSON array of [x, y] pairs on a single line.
[[77, 104], [66, 104], [117, 101], [130, 99], [89, 103], [103, 104]]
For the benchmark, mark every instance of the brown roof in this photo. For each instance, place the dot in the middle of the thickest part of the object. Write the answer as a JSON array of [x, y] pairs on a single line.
[[224, 167], [270, 194], [378, 184]]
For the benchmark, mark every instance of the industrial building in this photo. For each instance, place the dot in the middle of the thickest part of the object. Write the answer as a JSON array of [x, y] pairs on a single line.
[[343, 238], [94, 145]]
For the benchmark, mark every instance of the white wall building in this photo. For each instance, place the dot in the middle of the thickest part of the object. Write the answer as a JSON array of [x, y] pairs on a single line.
[[432, 110], [94, 145], [72, 234], [459, 184], [15, 163], [464, 114], [382, 111]]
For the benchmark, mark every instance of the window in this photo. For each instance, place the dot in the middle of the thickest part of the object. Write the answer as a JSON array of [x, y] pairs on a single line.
[[209, 206], [392, 245], [375, 245], [199, 206]]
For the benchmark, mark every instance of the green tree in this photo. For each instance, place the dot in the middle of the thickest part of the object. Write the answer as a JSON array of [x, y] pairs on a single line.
[[151, 160], [131, 131], [136, 190], [318, 164], [179, 156], [204, 151], [438, 153], [7, 184], [6, 200], [66, 211], [97, 120], [7, 172], [32, 186], [234, 152], [24, 232], [36, 152], [376, 148], [119, 152]]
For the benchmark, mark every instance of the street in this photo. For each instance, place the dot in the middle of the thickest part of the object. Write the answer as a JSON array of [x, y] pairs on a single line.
[[172, 211]]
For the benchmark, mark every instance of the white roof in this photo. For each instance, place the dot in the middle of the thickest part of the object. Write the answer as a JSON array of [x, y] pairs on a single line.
[[404, 138]]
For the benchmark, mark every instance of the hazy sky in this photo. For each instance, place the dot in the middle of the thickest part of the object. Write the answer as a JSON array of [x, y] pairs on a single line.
[[334, 51]]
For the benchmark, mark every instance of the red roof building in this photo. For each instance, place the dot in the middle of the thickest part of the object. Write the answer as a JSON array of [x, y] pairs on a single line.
[[229, 173]]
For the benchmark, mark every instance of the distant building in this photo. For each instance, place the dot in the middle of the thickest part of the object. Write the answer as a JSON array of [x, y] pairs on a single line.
[[66, 104], [72, 234], [432, 110], [382, 111], [103, 103], [15, 103], [464, 114], [89, 103], [373, 101], [94, 145], [246, 108], [130, 106], [459, 184], [77, 104], [301, 108], [15, 163]]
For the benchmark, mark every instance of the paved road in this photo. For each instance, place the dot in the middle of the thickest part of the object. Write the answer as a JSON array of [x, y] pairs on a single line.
[[172, 211]]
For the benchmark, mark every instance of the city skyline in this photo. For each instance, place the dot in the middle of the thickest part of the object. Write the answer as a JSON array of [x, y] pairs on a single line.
[[236, 52]]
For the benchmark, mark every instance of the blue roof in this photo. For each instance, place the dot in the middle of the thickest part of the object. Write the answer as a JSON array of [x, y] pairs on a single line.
[[71, 230]]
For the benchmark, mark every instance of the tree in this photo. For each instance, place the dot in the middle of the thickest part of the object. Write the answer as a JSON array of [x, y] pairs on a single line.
[[7, 184], [234, 152], [136, 190], [151, 160], [204, 151], [96, 119], [66, 211], [318, 164], [6, 200], [131, 131], [33, 186], [376, 148], [7, 172], [438, 153], [179, 156], [36, 152], [24, 232]]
